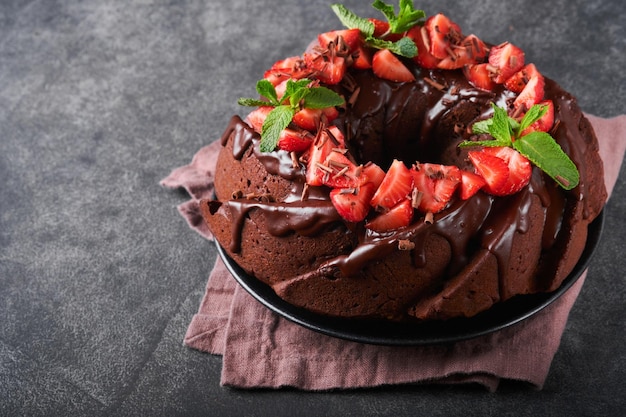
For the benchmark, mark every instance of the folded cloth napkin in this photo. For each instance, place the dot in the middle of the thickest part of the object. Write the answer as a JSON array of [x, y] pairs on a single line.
[[261, 349]]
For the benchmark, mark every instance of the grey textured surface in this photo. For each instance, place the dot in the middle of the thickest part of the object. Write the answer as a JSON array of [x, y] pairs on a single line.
[[99, 276]]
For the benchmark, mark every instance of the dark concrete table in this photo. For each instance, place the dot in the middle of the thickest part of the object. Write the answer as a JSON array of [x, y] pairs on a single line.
[[99, 276]]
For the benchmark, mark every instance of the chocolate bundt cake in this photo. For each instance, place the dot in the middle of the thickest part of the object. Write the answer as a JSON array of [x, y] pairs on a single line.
[[405, 171]]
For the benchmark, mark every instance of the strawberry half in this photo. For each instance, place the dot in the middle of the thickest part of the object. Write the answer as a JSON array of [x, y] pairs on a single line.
[[470, 51], [424, 58], [435, 184], [442, 33], [328, 68], [518, 81], [470, 184], [292, 67], [373, 173], [352, 203], [479, 76], [293, 141], [386, 65], [256, 117], [505, 59], [518, 169], [545, 123], [310, 119], [319, 151], [351, 37], [396, 186], [397, 217], [493, 169], [531, 94]]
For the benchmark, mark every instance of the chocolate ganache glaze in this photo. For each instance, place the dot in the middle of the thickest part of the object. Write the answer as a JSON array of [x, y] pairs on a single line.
[[528, 241]]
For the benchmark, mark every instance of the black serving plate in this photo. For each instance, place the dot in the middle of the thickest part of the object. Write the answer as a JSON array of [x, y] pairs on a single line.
[[496, 318]]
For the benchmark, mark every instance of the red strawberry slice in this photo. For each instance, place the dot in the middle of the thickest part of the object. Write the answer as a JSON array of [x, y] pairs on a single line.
[[310, 119], [442, 33], [328, 68], [479, 76], [328, 140], [531, 94], [382, 28], [435, 184], [373, 173], [292, 67], [386, 65], [293, 141], [352, 203], [545, 123], [351, 37], [340, 172], [470, 51], [518, 81], [395, 187], [424, 58], [493, 169], [397, 217], [520, 169], [362, 58], [470, 184], [256, 118], [506, 59]]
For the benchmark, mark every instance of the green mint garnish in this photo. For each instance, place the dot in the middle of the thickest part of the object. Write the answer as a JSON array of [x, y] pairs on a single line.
[[406, 18], [298, 95], [539, 147]]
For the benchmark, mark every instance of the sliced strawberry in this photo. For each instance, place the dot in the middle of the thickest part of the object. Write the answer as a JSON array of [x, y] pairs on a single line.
[[531, 94], [479, 76], [471, 50], [328, 140], [256, 117], [470, 184], [398, 216], [493, 169], [340, 172], [373, 173], [518, 81], [380, 27], [362, 58], [292, 141], [435, 184], [545, 123], [292, 67], [520, 169], [351, 37], [424, 58], [505, 59], [396, 186], [310, 119], [352, 203], [386, 65], [442, 33], [328, 68]]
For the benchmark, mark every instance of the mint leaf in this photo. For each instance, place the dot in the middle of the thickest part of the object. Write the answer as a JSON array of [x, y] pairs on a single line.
[[277, 120], [321, 98], [535, 113], [252, 102], [406, 18], [266, 89], [500, 127], [404, 47], [352, 21], [543, 151]]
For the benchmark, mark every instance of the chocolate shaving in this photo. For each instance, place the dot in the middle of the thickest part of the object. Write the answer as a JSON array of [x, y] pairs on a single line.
[[435, 84]]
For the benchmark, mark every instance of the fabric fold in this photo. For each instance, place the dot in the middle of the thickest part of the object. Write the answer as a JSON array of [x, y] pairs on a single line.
[[261, 349]]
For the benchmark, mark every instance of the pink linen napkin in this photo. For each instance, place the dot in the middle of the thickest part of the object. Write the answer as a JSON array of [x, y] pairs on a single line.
[[261, 349]]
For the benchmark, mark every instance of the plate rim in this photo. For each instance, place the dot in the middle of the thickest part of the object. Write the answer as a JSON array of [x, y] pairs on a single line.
[[411, 333]]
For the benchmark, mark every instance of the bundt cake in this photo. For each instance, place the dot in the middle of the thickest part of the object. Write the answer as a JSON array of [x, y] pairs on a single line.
[[402, 170]]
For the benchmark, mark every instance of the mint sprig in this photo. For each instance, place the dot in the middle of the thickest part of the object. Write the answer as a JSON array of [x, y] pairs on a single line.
[[299, 94], [406, 18], [538, 147]]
